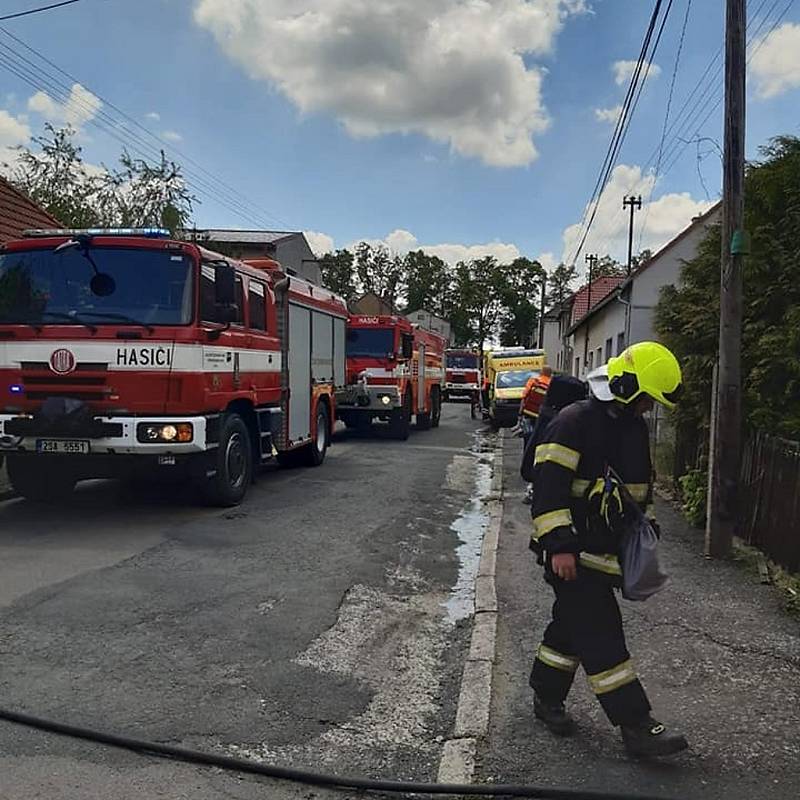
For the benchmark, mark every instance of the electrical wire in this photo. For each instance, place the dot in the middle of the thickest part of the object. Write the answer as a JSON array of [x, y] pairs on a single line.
[[231, 764], [623, 123], [686, 16], [37, 10], [38, 78], [684, 124]]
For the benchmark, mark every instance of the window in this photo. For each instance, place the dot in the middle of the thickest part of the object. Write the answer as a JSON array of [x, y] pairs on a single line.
[[590, 363], [258, 306], [374, 342], [620, 342], [578, 367], [599, 356], [208, 305], [609, 348]]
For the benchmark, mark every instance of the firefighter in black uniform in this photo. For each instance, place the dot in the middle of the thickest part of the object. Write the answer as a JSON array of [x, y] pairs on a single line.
[[579, 548]]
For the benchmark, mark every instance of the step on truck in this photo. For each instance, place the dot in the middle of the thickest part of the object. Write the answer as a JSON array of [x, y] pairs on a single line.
[[394, 372], [129, 354]]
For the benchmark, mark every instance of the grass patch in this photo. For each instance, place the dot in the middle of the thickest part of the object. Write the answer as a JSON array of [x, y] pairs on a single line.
[[786, 583]]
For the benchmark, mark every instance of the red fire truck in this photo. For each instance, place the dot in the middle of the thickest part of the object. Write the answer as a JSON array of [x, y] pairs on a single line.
[[462, 374], [126, 353], [394, 372]]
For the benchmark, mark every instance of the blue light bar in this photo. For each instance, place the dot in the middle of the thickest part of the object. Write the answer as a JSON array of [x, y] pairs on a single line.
[[150, 233], [16, 388]]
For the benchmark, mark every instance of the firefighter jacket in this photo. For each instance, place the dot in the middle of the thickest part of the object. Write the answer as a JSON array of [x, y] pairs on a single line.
[[575, 450], [533, 397]]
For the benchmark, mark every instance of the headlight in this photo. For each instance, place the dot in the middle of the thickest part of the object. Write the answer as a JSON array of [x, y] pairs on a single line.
[[386, 399], [159, 432]]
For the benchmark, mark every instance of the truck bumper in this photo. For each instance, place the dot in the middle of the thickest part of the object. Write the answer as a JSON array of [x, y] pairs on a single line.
[[460, 389], [114, 436], [373, 400]]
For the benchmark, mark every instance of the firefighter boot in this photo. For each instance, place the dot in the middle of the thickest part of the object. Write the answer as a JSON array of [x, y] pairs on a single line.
[[650, 739], [553, 716]]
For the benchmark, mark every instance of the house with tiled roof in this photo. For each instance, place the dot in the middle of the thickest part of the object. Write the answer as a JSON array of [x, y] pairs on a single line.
[[18, 213]]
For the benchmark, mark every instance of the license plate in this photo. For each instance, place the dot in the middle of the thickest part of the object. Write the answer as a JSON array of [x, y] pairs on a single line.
[[64, 446]]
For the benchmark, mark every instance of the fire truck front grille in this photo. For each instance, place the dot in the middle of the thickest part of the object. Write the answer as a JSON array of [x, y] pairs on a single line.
[[73, 380], [67, 392], [458, 379]]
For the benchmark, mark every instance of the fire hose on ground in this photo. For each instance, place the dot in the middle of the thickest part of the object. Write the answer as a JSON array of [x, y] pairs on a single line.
[[240, 765]]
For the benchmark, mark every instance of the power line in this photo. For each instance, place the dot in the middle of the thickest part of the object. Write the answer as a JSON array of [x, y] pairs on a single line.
[[37, 10], [623, 123], [700, 112], [199, 180], [643, 226]]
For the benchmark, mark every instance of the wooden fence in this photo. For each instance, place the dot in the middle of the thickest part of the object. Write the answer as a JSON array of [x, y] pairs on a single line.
[[769, 510]]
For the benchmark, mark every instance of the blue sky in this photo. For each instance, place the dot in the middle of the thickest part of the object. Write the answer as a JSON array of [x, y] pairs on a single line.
[[465, 127]]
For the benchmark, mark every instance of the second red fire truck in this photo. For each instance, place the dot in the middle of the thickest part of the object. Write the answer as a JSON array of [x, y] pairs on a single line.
[[127, 353], [394, 372]]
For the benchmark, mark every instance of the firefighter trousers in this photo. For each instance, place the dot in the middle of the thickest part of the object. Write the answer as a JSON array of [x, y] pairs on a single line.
[[586, 630]]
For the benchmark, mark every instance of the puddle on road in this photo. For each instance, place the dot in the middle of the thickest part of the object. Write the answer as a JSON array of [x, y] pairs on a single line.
[[470, 527]]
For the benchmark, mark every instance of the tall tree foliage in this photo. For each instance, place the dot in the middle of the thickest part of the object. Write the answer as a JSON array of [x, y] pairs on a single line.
[[379, 271], [137, 193], [688, 316], [427, 282], [338, 273], [520, 291]]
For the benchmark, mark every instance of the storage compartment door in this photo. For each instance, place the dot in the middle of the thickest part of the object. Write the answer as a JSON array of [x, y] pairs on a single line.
[[339, 358], [322, 347], [299, 373]]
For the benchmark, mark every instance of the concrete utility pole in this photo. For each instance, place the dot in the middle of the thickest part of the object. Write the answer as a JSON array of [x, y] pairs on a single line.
[[726, 441], [542, 309], [635, 203], [591, 260]]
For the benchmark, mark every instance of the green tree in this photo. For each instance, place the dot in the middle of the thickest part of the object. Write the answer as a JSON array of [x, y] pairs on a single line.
[[520, 297], [379, 271], [338, 273], [135, 194], [687, 316], [608, 267], [427, 280], [474, 303], [560, 284]]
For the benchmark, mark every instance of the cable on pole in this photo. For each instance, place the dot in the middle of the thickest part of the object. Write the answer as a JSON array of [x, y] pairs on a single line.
[[37, 10]]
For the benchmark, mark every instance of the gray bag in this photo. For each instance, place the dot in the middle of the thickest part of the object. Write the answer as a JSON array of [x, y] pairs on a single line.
[[641, 572]]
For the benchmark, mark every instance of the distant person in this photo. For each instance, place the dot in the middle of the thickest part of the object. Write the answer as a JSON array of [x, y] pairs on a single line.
[[530, 405], [579, 546]]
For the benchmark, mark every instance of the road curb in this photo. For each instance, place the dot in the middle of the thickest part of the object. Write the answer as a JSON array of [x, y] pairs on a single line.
[[457, 764]]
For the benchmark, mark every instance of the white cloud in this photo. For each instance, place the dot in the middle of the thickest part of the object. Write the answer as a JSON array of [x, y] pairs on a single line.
[[80, 107], [153, 115], [172, 136], [776, 61], [666, 216], [460, 73], [547, 260], [608, 114], [320, 243], [14, 131], [402, 241], [623, 71]]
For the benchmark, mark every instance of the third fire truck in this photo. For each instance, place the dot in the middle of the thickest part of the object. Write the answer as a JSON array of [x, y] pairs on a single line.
[[394, 372], [462, 374], [129, 353]]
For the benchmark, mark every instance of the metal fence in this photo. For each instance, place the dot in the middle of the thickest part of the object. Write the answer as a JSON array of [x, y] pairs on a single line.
[[769, 511]]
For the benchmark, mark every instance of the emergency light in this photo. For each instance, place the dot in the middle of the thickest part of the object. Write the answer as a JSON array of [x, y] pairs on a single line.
[[151, 233]]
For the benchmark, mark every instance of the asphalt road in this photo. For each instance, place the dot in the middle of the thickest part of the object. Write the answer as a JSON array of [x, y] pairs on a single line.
[[322, 624]]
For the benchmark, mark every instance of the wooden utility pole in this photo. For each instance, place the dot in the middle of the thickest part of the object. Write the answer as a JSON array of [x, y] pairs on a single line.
[[727, 420], [591, 260], [635, 203]]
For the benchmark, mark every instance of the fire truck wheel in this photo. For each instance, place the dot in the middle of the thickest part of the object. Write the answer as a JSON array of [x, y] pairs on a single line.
[[314, 454], [436, 408], [400, 423], [40, 482], [234, 463]]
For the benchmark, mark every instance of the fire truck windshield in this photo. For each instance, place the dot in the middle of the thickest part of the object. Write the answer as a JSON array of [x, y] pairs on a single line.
[[374, 342], [43, 286], [465, 361]]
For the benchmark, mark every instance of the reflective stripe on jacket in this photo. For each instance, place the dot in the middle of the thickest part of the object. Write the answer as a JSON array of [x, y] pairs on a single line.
[[574, 452]]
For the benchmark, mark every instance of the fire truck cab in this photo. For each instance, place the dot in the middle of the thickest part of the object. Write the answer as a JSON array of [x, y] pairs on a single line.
[[462, 373], [394, 372], [129, 353]]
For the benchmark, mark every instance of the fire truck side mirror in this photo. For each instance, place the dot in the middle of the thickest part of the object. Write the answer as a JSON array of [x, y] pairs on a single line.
[[407, 345]]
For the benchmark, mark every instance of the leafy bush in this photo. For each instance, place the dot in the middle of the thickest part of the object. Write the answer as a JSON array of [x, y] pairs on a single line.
[[694, 491]]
